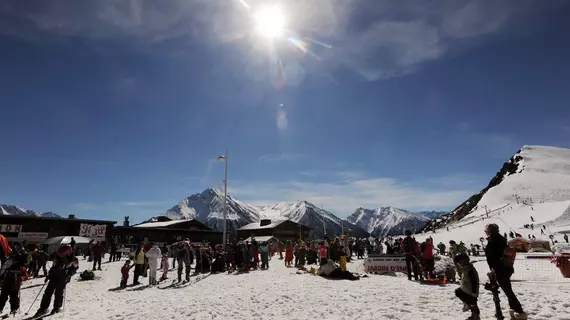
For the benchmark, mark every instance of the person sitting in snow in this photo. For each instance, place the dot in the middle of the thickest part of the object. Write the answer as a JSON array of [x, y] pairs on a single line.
[[469, 289], [329, 269]]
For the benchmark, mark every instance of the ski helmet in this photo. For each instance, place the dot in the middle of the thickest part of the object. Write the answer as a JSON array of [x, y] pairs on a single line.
[[64, 250]]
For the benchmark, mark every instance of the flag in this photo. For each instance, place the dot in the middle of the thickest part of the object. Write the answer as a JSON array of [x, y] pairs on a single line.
[[222, 158]]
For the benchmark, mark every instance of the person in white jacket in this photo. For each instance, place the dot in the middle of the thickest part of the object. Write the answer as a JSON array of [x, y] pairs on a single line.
[[153, 255]]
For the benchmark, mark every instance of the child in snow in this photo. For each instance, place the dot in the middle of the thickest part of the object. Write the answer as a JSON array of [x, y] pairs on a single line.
[[12, 280], [125, 273], [469, 289], [165, 265]]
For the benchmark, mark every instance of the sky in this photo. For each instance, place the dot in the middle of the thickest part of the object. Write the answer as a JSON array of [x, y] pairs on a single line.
[[116, 108]]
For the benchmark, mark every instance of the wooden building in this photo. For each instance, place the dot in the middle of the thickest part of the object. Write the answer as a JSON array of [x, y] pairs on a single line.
[[165, 230], [33, 229], [283, 230]]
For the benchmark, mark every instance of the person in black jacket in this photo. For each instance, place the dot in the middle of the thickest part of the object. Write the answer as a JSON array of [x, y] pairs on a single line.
[[502, 269], [409, 248], [64, 266]]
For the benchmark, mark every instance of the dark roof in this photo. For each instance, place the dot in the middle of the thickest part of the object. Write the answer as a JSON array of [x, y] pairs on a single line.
[[273, 224], [56, 219]]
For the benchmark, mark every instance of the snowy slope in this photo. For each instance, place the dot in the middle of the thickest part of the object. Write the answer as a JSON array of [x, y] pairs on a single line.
[[386, 220], [306, 213], [280, 293], [533, 175], [12, 210], [208, 208], [540, 179]]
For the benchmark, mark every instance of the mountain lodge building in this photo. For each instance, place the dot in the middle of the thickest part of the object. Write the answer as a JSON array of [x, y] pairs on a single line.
[[283, 230]]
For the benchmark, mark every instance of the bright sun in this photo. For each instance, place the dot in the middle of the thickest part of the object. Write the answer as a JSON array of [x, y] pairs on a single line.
[[270, 21]]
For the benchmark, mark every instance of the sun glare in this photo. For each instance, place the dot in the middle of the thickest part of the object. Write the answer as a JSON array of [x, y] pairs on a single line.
[[270, 21]]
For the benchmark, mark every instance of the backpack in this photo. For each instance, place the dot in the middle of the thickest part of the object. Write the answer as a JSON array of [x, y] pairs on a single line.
[[509, 255]]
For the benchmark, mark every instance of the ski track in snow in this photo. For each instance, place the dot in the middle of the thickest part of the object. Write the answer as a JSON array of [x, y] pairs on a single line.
[[280, 293]]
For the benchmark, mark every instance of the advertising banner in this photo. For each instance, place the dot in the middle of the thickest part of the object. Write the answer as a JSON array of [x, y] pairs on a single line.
[[385, 264], [33, 235], [92, 230]]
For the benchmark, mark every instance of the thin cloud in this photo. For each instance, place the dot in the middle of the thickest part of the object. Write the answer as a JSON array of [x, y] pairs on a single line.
[[280, 157], [344, 195], [401, 37]]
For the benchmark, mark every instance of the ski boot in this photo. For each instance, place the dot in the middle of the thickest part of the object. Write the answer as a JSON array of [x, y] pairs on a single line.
[[55, 311], [517, 315], [40, 313]]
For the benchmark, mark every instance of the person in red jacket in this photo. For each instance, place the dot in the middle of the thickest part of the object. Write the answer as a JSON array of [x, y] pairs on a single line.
[[427, 259], [280, 245], [288, 254]]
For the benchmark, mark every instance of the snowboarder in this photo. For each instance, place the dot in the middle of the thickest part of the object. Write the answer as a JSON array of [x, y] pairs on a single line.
[[153, 255], [65, 265], [532, 218], [469, 289], [12, 280], [502, 268]]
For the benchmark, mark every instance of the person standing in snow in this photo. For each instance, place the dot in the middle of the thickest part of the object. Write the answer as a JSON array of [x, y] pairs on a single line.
[[184, 257], [409, 248], [264, 251], [125, 273], [427, 258], [288, 254], [139, 264], [468, 292], [566, 238], [280, 247], [98, 252], [164, 263], [153, 254], [502, 268], [64, 266], [12, 280]]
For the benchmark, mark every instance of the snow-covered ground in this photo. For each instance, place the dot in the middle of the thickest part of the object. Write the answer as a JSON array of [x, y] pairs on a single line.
[[280, 293]]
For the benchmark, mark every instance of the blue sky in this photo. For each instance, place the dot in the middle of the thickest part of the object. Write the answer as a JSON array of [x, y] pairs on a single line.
[[120, 108]]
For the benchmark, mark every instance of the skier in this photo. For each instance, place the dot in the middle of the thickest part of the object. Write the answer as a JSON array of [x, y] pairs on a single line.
[[65, 264], [409, 247], [164, 263], [469, 289], [502, 268], [40, 258], [12, 279], [566, 238]]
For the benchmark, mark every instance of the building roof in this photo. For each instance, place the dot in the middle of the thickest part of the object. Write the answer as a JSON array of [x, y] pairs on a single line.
[[257, 226], [57, 219], [260, 239], [159, 224]]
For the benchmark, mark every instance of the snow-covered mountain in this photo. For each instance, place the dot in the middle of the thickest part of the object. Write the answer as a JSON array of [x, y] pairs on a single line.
[[306, 213], [387, 220], [208, 208], [431, 214], [12, 210], [534, 175]]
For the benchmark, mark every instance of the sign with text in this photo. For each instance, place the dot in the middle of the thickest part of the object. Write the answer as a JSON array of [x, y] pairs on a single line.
[[9, 228], [92, 230], [385, 264], [33, 235]]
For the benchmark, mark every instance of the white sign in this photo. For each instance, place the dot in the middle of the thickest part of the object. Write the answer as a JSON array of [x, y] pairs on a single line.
[[33, 235], [385, 264], [92, 230], [8, 228]]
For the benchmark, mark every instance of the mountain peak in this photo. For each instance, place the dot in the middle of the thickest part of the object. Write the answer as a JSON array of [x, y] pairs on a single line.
[[386, 220]]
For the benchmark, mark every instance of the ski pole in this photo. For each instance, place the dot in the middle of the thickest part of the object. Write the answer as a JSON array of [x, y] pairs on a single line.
[[30, 308]]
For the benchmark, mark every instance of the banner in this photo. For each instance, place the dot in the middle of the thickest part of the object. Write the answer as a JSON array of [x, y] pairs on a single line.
[[385, 264], [92, 230], [9, 228], [33, 235]]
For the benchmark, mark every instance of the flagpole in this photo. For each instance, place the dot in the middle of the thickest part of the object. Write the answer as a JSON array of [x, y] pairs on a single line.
[[225, 199]]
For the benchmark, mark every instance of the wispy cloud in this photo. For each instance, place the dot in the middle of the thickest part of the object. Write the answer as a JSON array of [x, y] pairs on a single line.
[[344, 194], [281, 157], [395, 38]]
